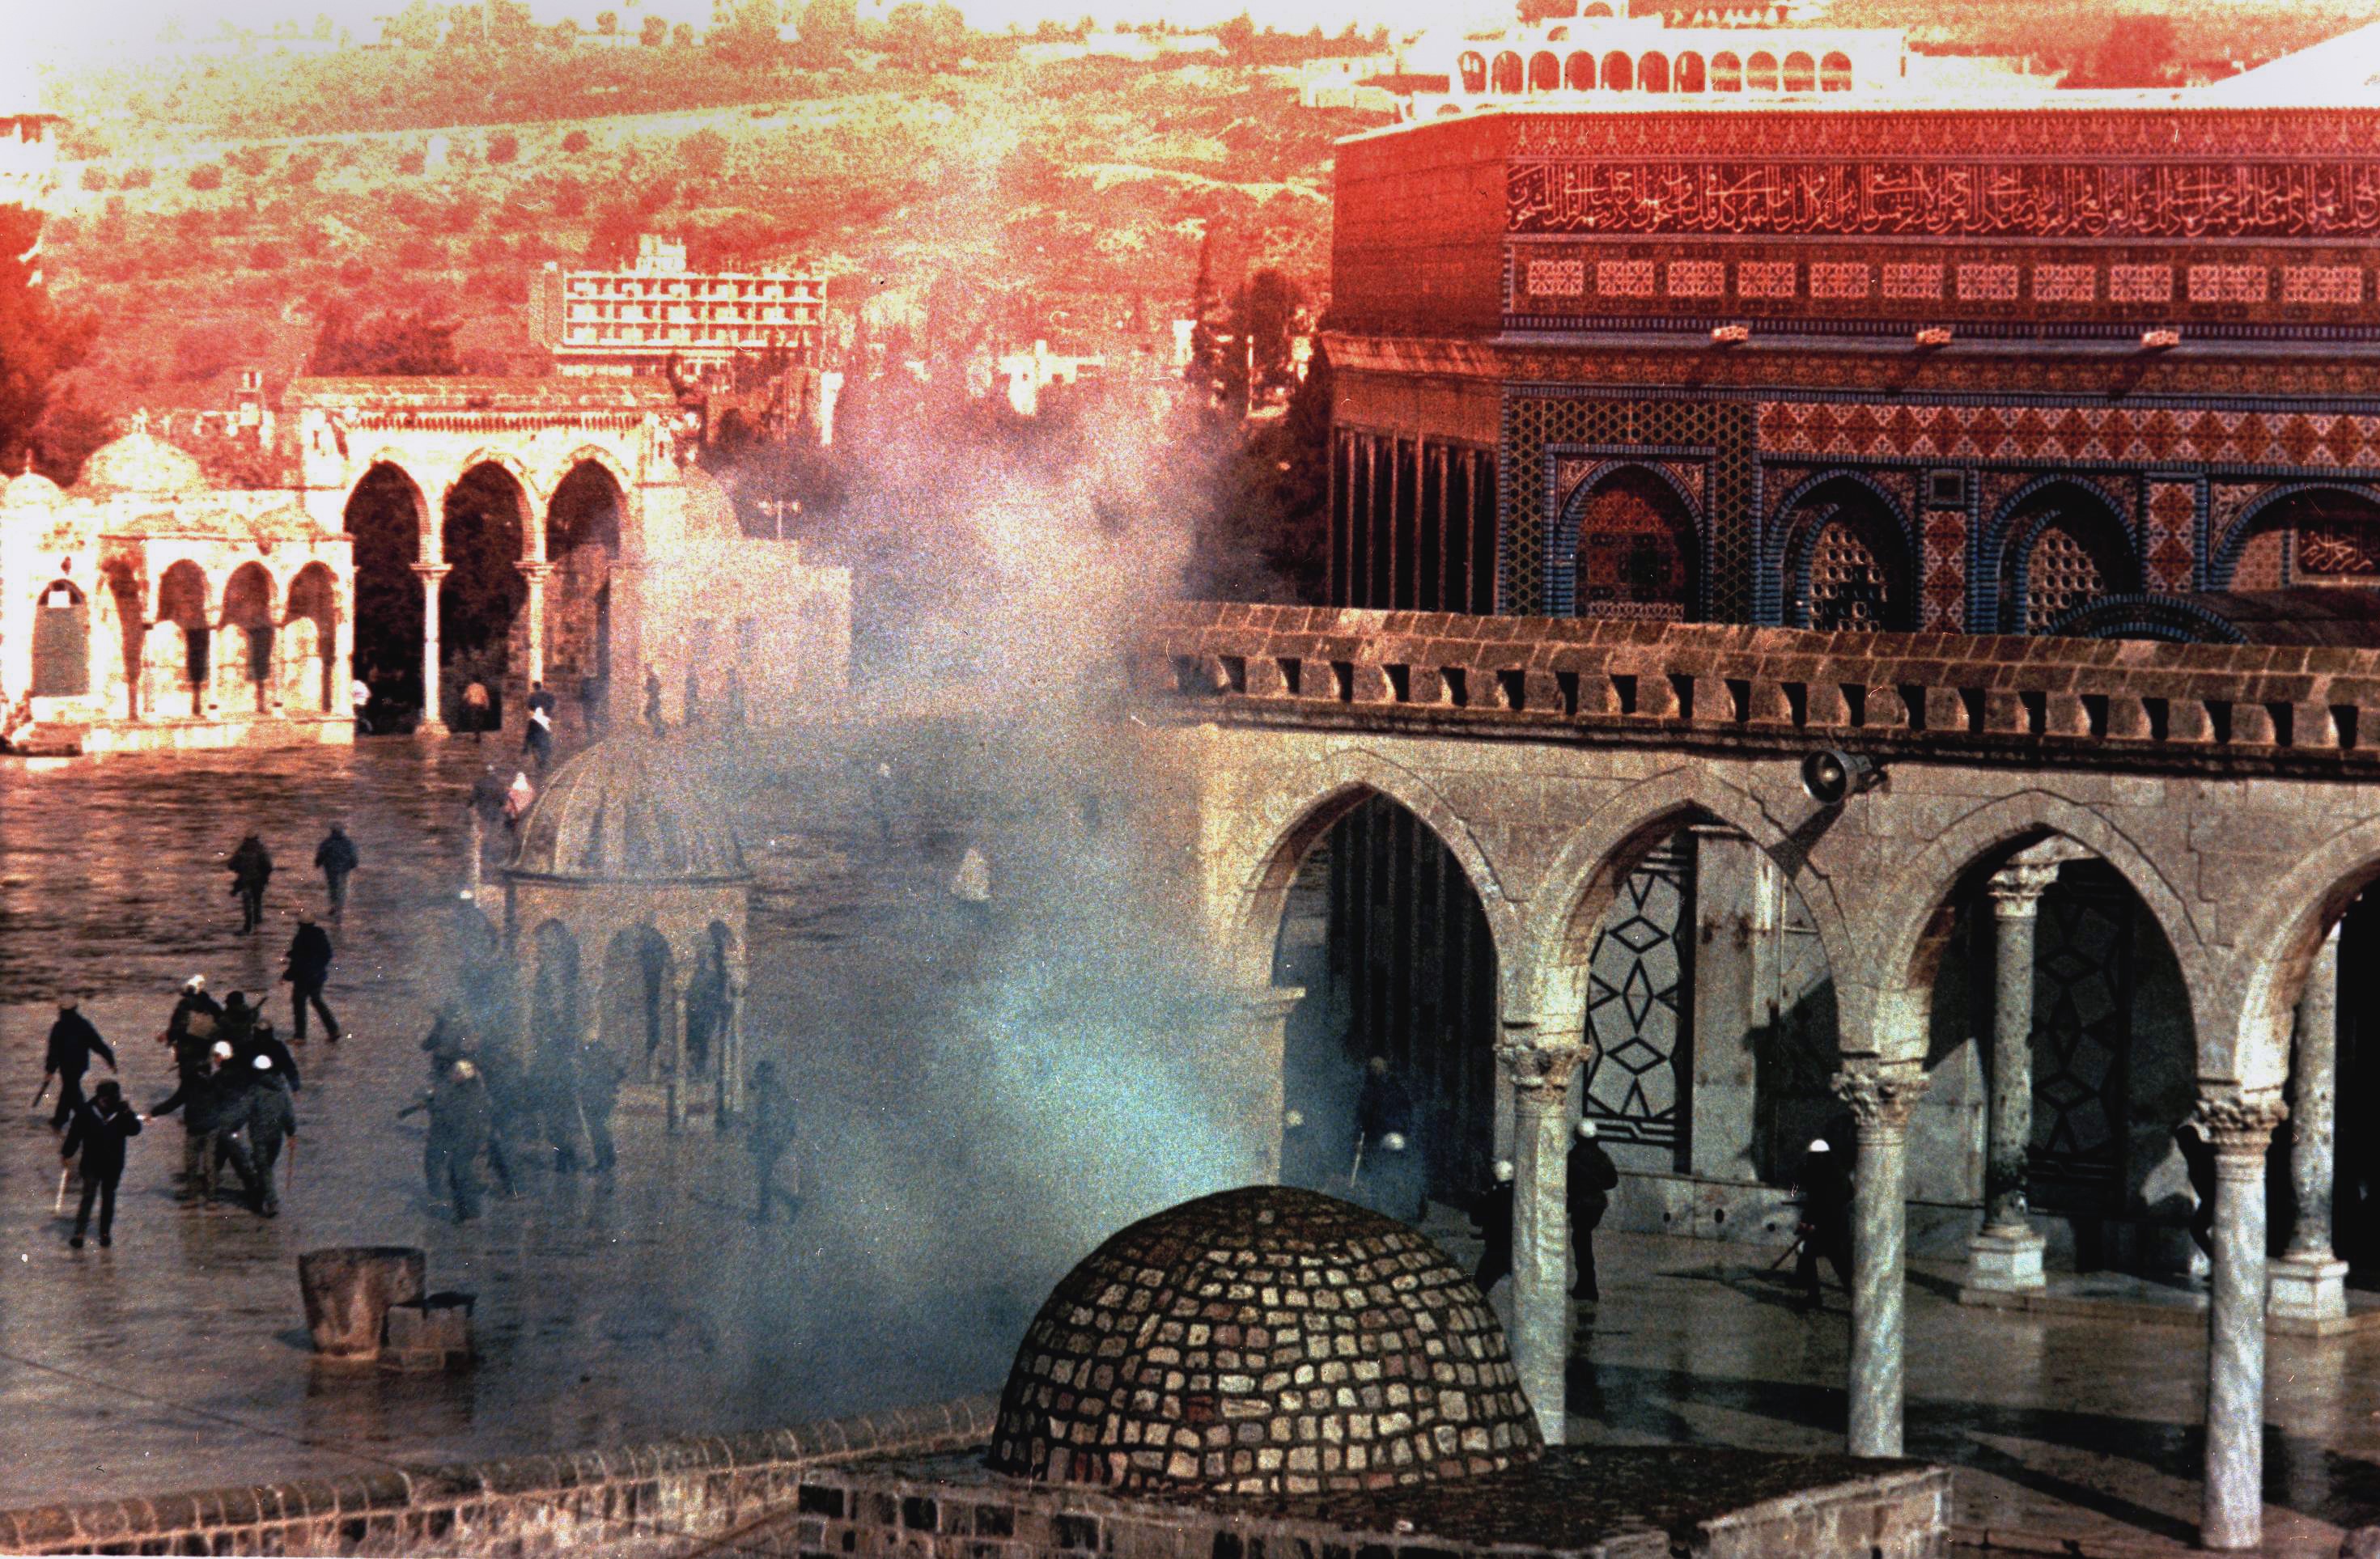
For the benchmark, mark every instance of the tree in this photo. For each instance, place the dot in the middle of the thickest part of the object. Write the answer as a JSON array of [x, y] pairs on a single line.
[[575, 142], [390, 341], [502, 147], [926, 37], [418, 26], [749, 35], [1265, 319], [2137, 51], [38, 342], [206, 176], [830, 24], [703, 154], [1238, 37], [682, 35], [607, 23], [654, 32]]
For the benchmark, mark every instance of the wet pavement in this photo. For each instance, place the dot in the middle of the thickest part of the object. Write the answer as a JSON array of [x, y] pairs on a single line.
[[616, 1309]]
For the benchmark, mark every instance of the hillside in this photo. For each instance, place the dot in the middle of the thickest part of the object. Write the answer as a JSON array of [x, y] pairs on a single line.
[[994, 202]]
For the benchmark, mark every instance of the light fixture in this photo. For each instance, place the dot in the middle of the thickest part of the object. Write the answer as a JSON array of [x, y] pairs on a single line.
[[1730, 335], [2160, 340], [1933, 335]]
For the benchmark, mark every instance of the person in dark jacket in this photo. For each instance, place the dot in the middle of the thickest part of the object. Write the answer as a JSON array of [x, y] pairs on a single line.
[[553, 1082], [1491, 1212], [101, 1128], [251, 869], [653, 699], [1388, 1171], [192, 1032], [2198, 1158], [308, 970], [260, 1103], [335, 857], [193, 1003], [1825, 1226], [1591, 1178], [598, 1095], [460, 1121], [73, 1042], [206, 1100], [769, 1134]]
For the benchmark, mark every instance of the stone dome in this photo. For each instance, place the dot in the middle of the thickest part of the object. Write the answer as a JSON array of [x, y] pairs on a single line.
[[628, 809], [141, 463], [1264, 1341], [28, 491]]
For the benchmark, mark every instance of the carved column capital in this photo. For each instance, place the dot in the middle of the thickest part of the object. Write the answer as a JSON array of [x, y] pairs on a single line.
[[2016, 889], [1880, 1095], [433, 572], [534, 569], [2239, 1124], [1535, 1058]]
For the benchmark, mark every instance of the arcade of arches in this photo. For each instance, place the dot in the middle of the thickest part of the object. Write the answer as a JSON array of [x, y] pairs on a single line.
[[2004, 997]]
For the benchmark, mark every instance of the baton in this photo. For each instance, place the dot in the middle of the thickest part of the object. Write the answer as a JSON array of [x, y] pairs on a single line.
[[58, 1208], [1355, 1168], [1788, 1252], [42, 1090]]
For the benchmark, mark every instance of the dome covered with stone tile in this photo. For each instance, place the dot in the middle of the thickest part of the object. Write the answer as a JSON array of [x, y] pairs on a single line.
[[141, 463], [1264, 1341], [628, 809]]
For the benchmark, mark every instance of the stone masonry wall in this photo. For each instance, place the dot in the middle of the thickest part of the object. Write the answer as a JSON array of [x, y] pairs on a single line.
[[665, 1498]]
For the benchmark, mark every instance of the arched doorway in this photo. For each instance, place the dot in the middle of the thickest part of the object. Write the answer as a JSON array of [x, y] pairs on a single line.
[[182, 643], [554, 986], [1653, 73], [385, 515], [1760, 73], [1578, 73], [1847, 563], [1545, 72], [484, 534], [1727, 72], [1508, 72], [1384, 932], [1692, 76], [1835, 73], [1473, 67], [312, 623], [1631, 550], [582, 542], [61, 642], [1800, 74], [1618, 72], [638, 1006], [2318, 536], [2065, 548], [248, 628]]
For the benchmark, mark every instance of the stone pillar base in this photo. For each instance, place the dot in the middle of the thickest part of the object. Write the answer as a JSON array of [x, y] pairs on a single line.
[[2307, 1287], [2006, 1260], [433, 727]]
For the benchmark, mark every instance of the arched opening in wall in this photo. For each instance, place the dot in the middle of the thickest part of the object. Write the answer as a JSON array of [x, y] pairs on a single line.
[[2065, 548], [1595, 9], [554, 992], [1847, 563], [182, 643], [708, 1008], [2111, 1052], [1578, 73], [638, 1004], [1727, 73], [1653, 74], [2322, 535], [2355, 1196], [1800, 73], [1691, 75], [1508, 72], [124, 592], [582, 543], [1471, 65], [1710, 1007], [1384, 932], [384, 516], [310, 626], [1636, 556], [248, 634], [1545, 72], [1618, 72], [1760, 75], [61, 641], [485, 527], [1835, 73]]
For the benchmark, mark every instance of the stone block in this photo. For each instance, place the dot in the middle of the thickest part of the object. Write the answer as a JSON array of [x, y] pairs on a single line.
[[2306, 1288], [2006, 1260]]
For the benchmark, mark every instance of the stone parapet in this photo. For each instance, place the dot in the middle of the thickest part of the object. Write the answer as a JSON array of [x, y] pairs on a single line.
[[665, 1497], [2126, 704]]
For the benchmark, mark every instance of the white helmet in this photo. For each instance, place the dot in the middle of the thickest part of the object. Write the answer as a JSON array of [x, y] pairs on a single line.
[[1819, 1145], [1587, 1131], [1394, 1142], [195, 982], [262, 1063], [1292, 1118], [1505, 1171], [223, 1050]]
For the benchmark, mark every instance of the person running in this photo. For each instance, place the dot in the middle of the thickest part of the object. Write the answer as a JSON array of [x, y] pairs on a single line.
[[1491, 1212], [207, 1101], [335, 857], [101, 1128], [73, 1042], [1591, 1178], [475, 710], [309, 971], [1825, 1226]]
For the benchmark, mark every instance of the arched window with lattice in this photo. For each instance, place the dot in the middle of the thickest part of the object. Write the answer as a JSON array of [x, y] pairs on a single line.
[[1636, 555], [2065, 550], [1849, 571]]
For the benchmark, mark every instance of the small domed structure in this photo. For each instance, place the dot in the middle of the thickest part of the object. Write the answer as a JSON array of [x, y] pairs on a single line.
[[627, 810], [142, 464], [30, 491], [1268, 1340]]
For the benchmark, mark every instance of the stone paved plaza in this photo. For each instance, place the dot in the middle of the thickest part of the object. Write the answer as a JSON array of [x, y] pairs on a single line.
[[649, 1305]]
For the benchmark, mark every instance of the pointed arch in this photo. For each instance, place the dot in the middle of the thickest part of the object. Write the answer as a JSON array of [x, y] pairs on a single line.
[[2274, 948], [1545, 72], [1618, 72], [1845, 553], [1629, 542], [2064, 542], [2284, 508]]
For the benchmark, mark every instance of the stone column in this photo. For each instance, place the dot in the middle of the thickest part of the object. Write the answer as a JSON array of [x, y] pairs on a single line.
[[1541, 1065], [2239, 1126], [479, 850], [1881, 1095], [730, 1041], [536, 573], [1255, 1061], [2006, 1254], [2309, 1282], [1739, 901], [431, 724]]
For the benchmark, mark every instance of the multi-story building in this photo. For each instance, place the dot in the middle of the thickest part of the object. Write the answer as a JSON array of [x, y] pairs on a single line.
[[636, 320]]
